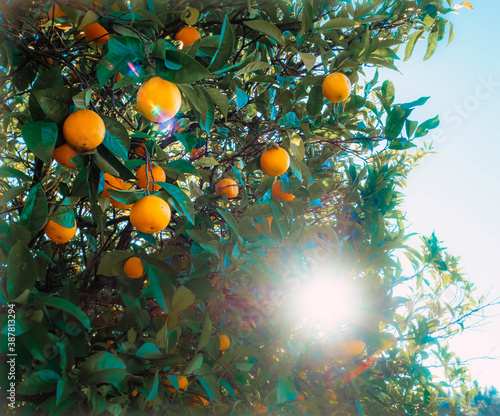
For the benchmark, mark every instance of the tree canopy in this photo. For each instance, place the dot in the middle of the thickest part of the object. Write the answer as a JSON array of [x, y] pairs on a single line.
[[284, 292]]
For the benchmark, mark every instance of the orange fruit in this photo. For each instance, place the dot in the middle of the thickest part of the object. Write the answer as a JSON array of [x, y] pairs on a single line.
[[274, 161], [133, 268], [353, 347], [109, 342], [300, 396], [277, 192], [150, 214], [181, 381], [84, 130], [198, 401], [227, 186], [59, 234], [154, 174], [260, 408], [96, 33], [259, 229], [187, 35], [149, 404], [111, 182], [134, 393], [118, 77], [224, 342], [196, 153], [158, 100], [336, 87], [63, 155], [55, 11], [121, 205]]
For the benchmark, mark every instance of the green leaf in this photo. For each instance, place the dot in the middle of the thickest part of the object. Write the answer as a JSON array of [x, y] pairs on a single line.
[[122, 50], [190, 70], [183, 298], [56, 102], [153, 390], [431, 44], [286, 390], [65, 386], [206, 332], [194, 364], [51, 78], [226, 46], [412, 41], [43, 381], [210, 385], [116, 138], [241, 98], [41, 137], [230, 220], [253, 66], [148, 350], [11, 193], [219, 99], [82, 99], [20, 270], [183, 166], [159, 283], [423, 129], [102, 367], [338, 23], [64, 214], [267, 28], [35, 211], [185, 204], [68, 307], [315, 101], [395, 122], [10, 172], [290, 120], [108, 162]]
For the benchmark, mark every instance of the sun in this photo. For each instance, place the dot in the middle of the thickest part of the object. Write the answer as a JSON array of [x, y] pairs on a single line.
[[326, 302]]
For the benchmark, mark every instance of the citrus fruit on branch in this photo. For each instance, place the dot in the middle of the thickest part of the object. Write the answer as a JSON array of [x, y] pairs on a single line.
[[133, 268], [227, 186], [336, 87], [274, 161], [150, 214], [187, 35], [153, 174], [277, 192], [84, 130], [158, 100], [58, 233]]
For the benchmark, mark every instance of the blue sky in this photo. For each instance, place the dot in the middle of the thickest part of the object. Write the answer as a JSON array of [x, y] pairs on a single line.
[[455, 192]]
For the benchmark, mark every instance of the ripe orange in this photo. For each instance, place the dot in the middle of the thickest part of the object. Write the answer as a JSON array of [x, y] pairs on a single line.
[[150, 214], [111, 182], [260, 408], [336, 87], [158, 100], [198, 401], [96, 33], [121, 205], [63, 155], [227, 186], [134, 393], [55, 11], [277, 192], [224, 342], [59, 234], [133, 268], [84, 130], [274, 161], [196, 153], [187, 35], [181, 381], [259, 229], [353, 347], [154, 174], [109, 342]]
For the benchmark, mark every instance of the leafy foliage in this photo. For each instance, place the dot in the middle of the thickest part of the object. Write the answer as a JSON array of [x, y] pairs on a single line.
[[92, 341]]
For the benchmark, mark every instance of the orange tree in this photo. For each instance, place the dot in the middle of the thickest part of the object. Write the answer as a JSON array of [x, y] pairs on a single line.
[[212, 315]]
